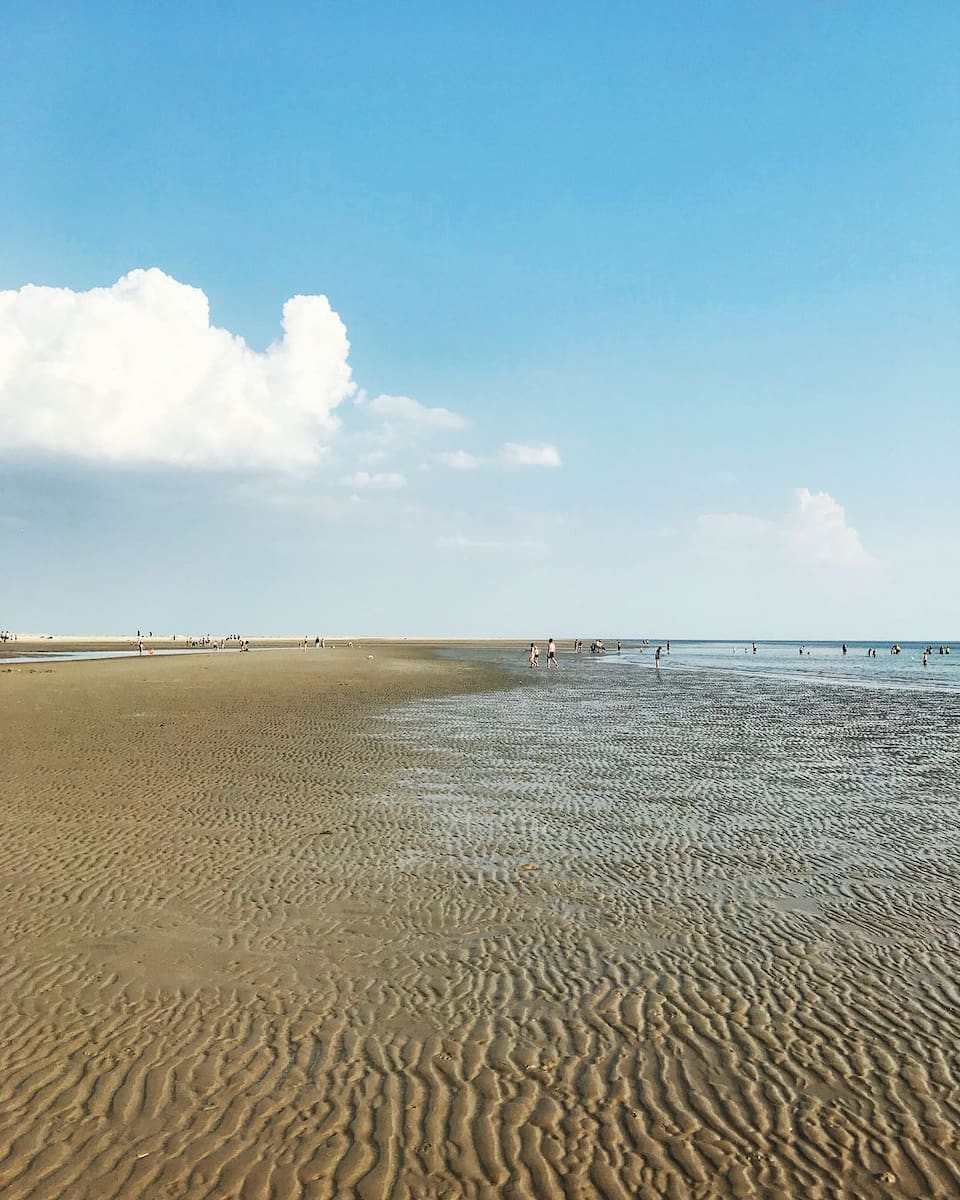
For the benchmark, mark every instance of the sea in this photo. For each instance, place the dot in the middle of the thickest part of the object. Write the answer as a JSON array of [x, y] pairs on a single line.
[[820, 662]]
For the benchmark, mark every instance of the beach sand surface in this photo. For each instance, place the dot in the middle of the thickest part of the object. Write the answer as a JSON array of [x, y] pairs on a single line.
[[315, 924]]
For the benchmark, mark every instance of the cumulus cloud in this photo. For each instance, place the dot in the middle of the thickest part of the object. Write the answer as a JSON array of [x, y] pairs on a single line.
[[383, 480], [403, 408], [814, 531], [136, 373], [516, 454]]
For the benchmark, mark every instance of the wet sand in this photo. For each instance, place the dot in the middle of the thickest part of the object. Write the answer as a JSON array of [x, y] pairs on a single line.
[[303, 924]]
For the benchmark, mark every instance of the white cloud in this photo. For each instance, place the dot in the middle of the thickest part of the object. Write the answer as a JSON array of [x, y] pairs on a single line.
[[460, 460], [136, 373], [813, 532], [403, 408], [381, 480], [516, 454], [816, 531]]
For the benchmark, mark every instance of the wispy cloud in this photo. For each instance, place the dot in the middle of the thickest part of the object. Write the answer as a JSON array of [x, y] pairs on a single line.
[[510, 454], [460, 460], [517, 454], [403, 408], [381, 480]]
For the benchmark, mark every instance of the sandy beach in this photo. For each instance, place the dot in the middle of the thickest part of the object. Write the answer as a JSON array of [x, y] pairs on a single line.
[[427, 924]]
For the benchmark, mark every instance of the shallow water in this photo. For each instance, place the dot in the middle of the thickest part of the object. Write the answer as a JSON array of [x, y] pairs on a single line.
[[42, 656], [822, 662], [722, 910]]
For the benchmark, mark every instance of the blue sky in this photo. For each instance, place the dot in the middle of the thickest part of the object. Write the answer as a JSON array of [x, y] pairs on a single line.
[[670, 293]]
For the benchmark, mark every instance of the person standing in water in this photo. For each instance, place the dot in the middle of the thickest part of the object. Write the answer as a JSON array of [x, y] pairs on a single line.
[[656, 658]]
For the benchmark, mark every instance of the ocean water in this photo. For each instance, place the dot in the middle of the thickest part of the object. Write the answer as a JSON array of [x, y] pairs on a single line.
[[822, 662], [44, 656]]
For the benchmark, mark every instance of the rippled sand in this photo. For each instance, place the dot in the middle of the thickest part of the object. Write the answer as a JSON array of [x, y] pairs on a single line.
[[276, 925]]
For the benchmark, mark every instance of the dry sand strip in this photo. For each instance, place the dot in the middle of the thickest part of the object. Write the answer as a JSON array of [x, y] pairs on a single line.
[[307, 924]]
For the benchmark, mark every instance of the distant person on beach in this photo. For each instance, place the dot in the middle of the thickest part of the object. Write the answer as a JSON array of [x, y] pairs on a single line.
[[844, 647], [534, 654], [551, 652], [668, 647], [754, 647], [656, 658], [140, 647]]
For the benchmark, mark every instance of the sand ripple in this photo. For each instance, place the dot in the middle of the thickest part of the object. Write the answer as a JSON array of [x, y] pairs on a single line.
[[601, 935]]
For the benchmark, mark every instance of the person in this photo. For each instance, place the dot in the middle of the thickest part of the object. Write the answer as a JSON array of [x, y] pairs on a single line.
[[618, 647], [754, 647], [534, 654], [656, 658], [844, 647], [668, 647], [924, 658], [551, 652], [140, 647]]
